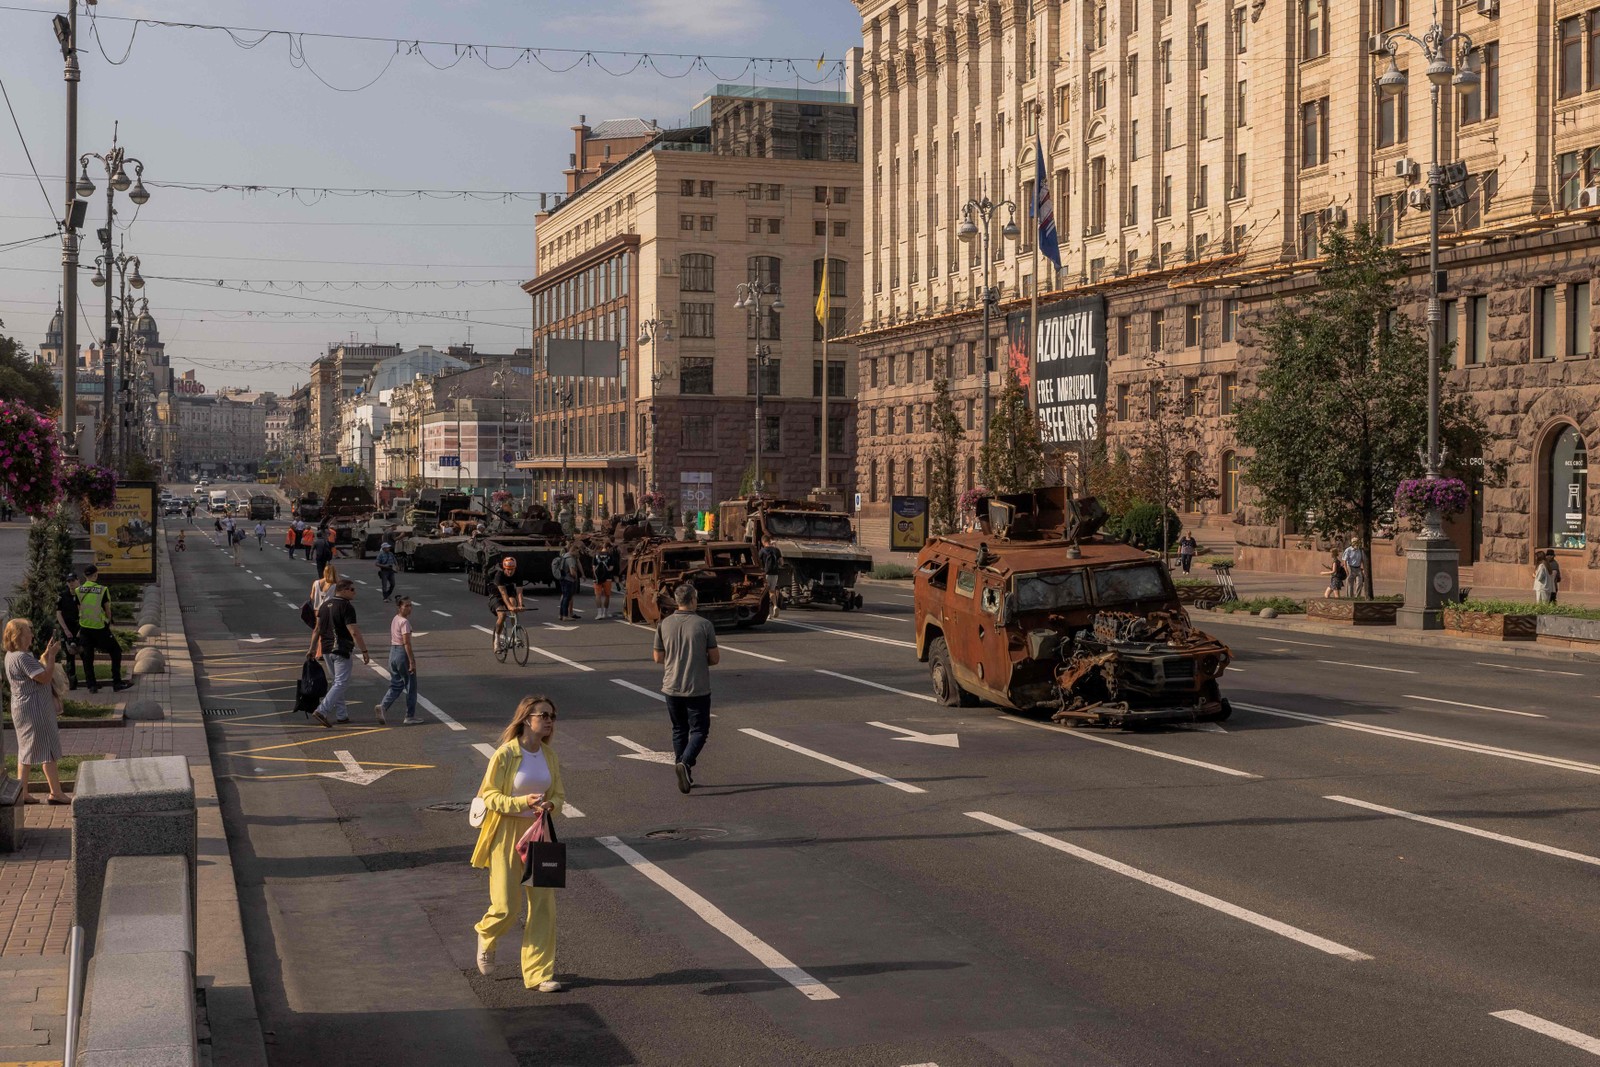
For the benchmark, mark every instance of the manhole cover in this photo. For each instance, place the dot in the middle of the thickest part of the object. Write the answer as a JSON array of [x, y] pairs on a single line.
[[687, 833], [449, 805]]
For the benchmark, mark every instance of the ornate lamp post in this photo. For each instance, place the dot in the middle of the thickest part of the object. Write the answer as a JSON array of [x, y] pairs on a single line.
[[117, 181], [983, 210], [662, 370], [750, 297]]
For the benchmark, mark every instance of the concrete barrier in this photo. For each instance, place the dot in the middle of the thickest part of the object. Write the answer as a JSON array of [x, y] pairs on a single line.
[[12, 798]]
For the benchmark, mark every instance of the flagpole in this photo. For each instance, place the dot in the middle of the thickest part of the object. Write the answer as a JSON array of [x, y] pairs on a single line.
[[827, 225]]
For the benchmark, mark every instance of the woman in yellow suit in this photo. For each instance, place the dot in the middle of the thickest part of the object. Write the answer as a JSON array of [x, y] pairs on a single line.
[[523, 779]]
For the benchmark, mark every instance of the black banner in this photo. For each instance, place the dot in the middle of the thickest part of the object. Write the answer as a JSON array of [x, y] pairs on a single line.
[[1067, 379]]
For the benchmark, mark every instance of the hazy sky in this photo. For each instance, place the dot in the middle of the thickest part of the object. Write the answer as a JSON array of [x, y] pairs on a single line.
[[197, 108]]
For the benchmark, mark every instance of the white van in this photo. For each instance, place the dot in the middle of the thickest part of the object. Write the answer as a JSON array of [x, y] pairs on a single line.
[[219, 501]]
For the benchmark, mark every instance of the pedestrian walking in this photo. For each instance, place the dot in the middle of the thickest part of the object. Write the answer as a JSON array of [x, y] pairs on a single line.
[[235, 537], [568, 574], [321, 548], [1543, 586], [771, 561], [1355, 565], [607, 562], [522, 782], [308, 539], [190, 509], [1186, 550], [323, 588], [686, 646], [33, 707], [261, 537], [67, 625], [291, 540], [1553, 565], [1336, 576], [402, 664], [334, 639], [216, 525], [94, 630], [386, 562], [182, 546]]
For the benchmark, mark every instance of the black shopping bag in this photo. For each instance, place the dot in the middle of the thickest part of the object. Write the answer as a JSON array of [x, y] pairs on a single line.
[[544, 859], [311, 688]]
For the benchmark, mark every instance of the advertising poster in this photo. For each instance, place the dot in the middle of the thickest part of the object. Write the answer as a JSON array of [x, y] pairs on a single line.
[[123, 536], [1067, 379], [908, 523]]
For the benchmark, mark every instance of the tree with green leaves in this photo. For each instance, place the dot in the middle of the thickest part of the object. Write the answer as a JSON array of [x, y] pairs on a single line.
[[1166, 468], [946, 429], [1012, 460], [23, 379], [1339, 412]]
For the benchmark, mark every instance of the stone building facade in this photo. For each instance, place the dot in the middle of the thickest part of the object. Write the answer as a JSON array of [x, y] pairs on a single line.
[[1196, 153]]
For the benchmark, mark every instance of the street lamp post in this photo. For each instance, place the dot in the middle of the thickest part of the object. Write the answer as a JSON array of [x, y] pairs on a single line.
[[661, 371], [66, 29], [1433, 562], [750, 296], [983, 210], [105, 269], [117, 181]]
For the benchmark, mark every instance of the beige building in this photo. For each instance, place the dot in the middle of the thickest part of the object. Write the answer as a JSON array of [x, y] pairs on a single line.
[[1196, 151], [754, 190]]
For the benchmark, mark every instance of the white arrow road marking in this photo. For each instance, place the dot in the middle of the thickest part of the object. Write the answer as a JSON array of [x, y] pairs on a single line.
[[567, 810], [1333, 948], [428, 705], [1478, 707], [1487, 835], [352, 770], [771, 958], [881, 779], [878, 685], [1549, 1029], [640, 752], [255, 639], [943, 740], [1085, 735], [277, 594]]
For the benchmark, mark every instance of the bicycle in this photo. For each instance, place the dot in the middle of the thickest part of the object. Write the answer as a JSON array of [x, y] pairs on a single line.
[[513, 639]]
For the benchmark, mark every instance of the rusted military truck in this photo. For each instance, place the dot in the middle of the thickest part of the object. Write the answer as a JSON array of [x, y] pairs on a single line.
[[731, 585], [1035, 612], [821, 560]]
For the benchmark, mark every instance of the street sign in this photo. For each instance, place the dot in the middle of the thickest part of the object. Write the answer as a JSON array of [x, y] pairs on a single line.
[[347, 470], [449, 461]]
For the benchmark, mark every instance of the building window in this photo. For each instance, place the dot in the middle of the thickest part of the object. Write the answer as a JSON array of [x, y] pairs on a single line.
[[1567, 487], [695, 376], [835, 434], [1158, 319], [1227, 394], [1241, 98], [841, 195], [1230, 319], [1124, 332], [708, 223], [1578, 320], [1133, 76], [1133, 139], [1478, 340], [1166, 129], [774, 225], [1097, 90], [697, 273], [1309, 247], [686, 222], [771, 378], [1451, 312], [1122, 401], [1164, 209], [752, 225], [1545, 322], [1133, 207], [772, 439], [1241, 31], [1569, 168], [1202, 187], [1313, 29], [1391, 13], [765, 325], [1155, 398], [1191, 325], [686, 187], [1314, 133], [1097, 195], [835, 378], [697, 320], [1391, 118], [766, 271], [1192, 399], [1202, 46], [1483, 102], [1241, 172], [1203, 117], [1383, 220], [1569, 79], [1230, 483], [1165, 59]]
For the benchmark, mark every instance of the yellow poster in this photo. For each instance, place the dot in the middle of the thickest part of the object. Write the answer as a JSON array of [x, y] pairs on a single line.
[[123, 536], [908, 523]]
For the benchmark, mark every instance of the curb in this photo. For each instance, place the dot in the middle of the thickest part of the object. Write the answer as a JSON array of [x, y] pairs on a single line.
[[1394, 636]]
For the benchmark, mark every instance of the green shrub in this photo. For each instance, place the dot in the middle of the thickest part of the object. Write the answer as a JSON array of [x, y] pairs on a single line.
[[1141, 526], [1211, 561], [1194, 583], [66, 765], [896, 572], [1522, 607], [126, 639], [1281, 604]]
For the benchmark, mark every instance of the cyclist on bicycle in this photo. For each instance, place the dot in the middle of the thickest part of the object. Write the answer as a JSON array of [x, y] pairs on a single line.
[[505, 595]]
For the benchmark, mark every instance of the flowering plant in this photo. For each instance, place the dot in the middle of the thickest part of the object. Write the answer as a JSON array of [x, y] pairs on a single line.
[[501, 496], [1418, 496], [563, 498], [30, 459], [967, 502], [654, 500], [92, 484]]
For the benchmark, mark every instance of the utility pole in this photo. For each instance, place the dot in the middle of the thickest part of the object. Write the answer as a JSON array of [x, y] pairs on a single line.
[[67, 34]]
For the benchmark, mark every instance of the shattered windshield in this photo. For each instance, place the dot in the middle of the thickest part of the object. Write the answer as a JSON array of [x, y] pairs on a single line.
[[1122, 585], [1048, 592], [683, 561], [814, 525]]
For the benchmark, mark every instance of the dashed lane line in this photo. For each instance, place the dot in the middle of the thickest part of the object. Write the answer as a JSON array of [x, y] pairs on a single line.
[[881, 779], [890, 618], [879, 685], [1282, 929], [752, 655], [1530, 670], [640, 689], [843, 633], [1307, 644], [432, 708], [769, 957], [487, 752], [1084, 735], [1366, 666], [446, 614], [543, 652], [1477, 707], [1487, 835], [1428, 739], [1549, 1029]]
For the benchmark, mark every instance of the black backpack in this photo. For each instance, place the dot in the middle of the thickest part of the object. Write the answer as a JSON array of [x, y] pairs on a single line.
[[311, 688]]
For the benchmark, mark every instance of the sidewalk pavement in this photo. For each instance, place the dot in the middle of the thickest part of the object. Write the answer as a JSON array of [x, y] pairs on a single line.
[[36, 897]]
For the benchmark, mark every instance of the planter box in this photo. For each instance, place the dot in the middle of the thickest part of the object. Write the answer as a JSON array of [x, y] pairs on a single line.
[[1491, 627], [1193, 594], [1353, 612], [1568, 632]]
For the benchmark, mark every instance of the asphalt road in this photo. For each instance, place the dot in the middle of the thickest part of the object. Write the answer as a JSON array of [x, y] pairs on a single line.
[[838, 892]]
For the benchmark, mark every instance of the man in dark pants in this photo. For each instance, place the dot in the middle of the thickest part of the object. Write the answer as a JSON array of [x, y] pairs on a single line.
[[686, 643], [94, 630], [67, 625], [322, 549]]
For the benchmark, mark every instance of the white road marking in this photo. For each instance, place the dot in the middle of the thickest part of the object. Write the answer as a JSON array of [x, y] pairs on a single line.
[[280, 594], [844, 633], [1239, 670], [1430, 739], [641, 752], [255, 639], [902, 596], [560, 659], [1487, 835], [881, 779], [486, 750], [446, 614], [753, 655], [428, 705], [640, 689], [1479, 707], [1085, 735], [477, 626], [877, 685], [353, 771], [714, 917], [1365, 666], [457, 580], [1293, 933], [567, 810], [1307, 644], [891, 618], [266, 587], [1531, 670], [1549, 1029], [942, 740], [362, 581]]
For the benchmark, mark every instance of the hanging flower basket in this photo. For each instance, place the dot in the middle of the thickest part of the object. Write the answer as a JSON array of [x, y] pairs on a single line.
[[967, 503], [654, 500], [30, 459], [563, 498], [501, 496], [1418, 496], [96, 486]]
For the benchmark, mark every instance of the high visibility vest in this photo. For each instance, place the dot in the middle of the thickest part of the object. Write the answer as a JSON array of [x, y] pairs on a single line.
[[307, 536], [92, 606], [289, 537]]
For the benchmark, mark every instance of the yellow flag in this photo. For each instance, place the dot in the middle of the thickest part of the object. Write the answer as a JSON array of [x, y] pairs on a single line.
[[822, 298], [820, 59]]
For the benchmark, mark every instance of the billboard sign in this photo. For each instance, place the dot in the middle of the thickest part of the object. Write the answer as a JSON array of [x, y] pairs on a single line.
[[567, 357], [1066, 376], [123, 536], [908, 523]]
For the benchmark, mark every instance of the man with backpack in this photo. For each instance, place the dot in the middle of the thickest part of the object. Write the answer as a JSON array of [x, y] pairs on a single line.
[[771, 561], [568, 575], [607, 562]]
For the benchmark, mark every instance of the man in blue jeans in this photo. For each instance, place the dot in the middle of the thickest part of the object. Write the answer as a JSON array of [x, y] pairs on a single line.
[[335, 638], [402, 663], [686, 644]]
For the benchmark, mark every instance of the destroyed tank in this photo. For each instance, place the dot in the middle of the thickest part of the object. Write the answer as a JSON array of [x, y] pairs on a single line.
[[1033, 611]]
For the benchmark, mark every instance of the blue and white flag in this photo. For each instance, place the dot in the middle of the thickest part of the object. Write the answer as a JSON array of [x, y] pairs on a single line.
[[1044, 209]]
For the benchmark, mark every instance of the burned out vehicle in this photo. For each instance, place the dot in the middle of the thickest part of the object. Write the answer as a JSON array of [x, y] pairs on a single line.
[[347, 510], [731, 585], [821, 560], [308, 508], [432, 541], [534, 541], [1034, 612]]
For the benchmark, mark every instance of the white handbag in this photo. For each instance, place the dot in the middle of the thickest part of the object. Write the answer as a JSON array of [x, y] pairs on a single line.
[[477, 812]]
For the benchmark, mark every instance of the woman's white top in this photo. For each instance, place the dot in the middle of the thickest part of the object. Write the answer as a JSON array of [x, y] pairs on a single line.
[[533, 776]]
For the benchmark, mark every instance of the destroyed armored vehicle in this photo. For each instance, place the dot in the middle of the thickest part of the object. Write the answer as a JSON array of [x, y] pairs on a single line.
[[436, 546], [821, 560], [346, 512], [731, 585], [534, 541], [1033, 612]]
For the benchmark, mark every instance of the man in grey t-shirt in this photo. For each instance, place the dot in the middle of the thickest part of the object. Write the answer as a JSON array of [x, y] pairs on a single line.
[[686, 643]]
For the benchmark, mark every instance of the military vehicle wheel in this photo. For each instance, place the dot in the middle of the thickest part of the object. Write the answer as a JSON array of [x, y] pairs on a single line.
[[1221, 716], [630, 611], [858, 602], [945, 688]]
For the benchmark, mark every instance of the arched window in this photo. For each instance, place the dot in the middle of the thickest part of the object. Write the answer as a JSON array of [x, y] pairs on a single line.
[[768, 270], [1566, 478], [1230, 483], [1191, 479], [872, 481], [697, 273], [889, 476]]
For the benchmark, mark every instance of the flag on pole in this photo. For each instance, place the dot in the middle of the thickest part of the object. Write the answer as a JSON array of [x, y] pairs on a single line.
[[822, 298], [820, 59], [1044, 211]]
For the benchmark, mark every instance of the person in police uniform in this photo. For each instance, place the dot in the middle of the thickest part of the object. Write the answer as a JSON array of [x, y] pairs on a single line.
[[94, 630]]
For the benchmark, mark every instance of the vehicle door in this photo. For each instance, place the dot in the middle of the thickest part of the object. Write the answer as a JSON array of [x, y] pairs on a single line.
[[928, 604], [963, 629], [994, 654]]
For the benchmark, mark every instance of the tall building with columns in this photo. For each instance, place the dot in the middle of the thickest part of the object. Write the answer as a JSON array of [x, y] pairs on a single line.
[[1197, 153]]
